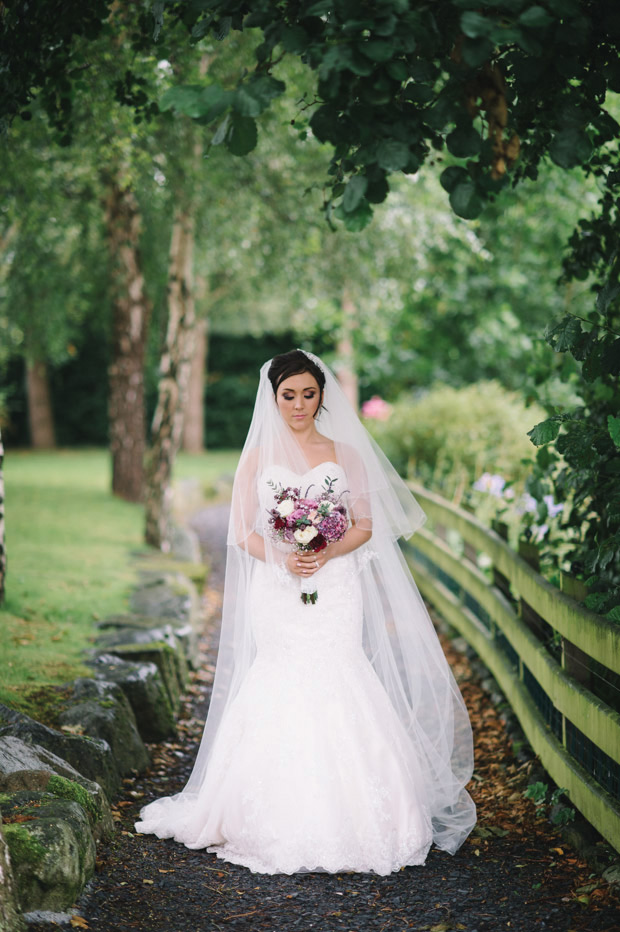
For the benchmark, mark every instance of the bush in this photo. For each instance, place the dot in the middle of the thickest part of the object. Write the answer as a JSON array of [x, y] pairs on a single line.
[[448, 437]]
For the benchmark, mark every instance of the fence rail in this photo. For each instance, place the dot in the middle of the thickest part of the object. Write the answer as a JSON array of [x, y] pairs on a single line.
[[557, 663]]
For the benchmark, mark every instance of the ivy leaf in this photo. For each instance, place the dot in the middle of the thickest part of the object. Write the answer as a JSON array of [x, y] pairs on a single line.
[[465, 200], [354, 192], [544, 431], [563, 335], [613, 425], [392, 155], [243, 135]]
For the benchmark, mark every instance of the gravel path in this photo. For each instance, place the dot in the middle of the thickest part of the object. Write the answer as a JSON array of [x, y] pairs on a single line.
[[513, 873]]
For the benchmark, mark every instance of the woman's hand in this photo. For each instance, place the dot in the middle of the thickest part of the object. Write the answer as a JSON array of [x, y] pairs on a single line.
[[307, 563]]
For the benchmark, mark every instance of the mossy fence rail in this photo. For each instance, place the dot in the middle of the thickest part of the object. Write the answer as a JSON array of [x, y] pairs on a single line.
[[557, 663]]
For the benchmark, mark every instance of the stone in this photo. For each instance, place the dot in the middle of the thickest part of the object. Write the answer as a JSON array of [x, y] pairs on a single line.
[[103, 711], [180, 631], [91, 757], [11, 919], [166, 595], [184, 544], [145, 689], [170, 663], [31, 767], [115, 636], [52, 850]]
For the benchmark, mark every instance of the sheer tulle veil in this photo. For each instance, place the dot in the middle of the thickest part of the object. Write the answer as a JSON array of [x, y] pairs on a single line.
[[398, 635]]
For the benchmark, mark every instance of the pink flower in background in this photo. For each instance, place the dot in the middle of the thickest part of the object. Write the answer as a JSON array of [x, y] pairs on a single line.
[[376, 408]]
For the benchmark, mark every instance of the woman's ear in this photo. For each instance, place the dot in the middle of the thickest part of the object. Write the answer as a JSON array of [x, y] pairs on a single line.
[[319, 406]]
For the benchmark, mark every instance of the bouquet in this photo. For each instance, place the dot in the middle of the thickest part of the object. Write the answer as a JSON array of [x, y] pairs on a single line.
[[310, 524]]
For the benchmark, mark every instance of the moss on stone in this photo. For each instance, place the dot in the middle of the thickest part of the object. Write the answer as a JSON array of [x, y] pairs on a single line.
[[23, 848], [69, 789]]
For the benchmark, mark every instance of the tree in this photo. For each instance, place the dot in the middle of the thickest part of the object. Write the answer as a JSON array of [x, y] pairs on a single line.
[[502, 88]]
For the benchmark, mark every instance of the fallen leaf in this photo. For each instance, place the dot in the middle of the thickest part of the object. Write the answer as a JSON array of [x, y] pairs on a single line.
[[78, 922], [148, 881]]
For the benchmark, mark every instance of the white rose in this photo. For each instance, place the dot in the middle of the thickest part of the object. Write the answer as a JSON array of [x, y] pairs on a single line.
[[305, 535], [285, 508]]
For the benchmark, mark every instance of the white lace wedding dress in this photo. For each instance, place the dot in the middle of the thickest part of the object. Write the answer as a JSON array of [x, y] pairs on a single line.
[[311, 767]]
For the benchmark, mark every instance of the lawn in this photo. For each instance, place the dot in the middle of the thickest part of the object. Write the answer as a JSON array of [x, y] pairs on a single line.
[[69, 545]]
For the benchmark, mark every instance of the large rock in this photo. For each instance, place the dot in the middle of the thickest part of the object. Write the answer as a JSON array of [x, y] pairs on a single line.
[[102, 710], [144, 687], [52, 850], [167, 595], [170, 663], [10, 915], [184, 544], [119, 629], [31, 767], [92, 757]]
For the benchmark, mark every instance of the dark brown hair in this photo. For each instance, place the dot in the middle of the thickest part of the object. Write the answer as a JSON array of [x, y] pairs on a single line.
[[295, 362]]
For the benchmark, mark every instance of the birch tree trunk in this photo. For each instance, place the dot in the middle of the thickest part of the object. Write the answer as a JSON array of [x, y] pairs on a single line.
[[40, 417], [194, 420], [345, 368], [2, 543], [131, 312], [173, 381]]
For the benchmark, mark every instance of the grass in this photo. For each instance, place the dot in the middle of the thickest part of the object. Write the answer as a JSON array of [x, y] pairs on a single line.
[[69, 545]]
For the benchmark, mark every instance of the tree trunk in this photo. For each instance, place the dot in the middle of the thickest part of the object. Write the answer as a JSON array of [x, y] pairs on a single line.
[[131, 312], [194, 419], [40, 417], [173, 380], [2, 545], [345, 367]]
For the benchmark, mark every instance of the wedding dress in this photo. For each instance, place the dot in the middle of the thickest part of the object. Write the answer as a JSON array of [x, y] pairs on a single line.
[[337, 738]]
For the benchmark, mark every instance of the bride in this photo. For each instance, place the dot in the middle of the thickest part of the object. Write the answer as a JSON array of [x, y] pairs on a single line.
[[337, 738]]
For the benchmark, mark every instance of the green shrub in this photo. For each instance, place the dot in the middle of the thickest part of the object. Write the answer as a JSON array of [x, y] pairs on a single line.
[[448, 437]]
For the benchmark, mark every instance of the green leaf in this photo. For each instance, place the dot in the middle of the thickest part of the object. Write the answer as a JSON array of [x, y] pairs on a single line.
[[613, 425], [358, 219], [222, 131], [243, 135], [465, 200], [378, 49], [535, 18], [377, 190], [392, 155], [463, 142], [254, 96], [570, 147], [185, 98], [475, 25], [477, 51], [354, 192], [563, 335], [545, 431], [452, 176], [294, 39], [614, 614]]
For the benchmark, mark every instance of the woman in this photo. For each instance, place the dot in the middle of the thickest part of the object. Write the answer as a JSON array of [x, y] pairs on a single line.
[[337, 738]]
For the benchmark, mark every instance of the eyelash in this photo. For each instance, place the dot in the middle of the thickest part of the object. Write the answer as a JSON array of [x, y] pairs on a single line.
[[308, 397]]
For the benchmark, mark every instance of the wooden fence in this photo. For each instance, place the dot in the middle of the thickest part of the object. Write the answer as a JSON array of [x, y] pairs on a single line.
[[557, 663]]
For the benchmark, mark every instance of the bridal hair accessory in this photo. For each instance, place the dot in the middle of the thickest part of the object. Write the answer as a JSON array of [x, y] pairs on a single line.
[[308, 524]]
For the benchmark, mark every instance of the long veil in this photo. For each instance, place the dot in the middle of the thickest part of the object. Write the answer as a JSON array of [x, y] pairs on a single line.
[[398, 635]]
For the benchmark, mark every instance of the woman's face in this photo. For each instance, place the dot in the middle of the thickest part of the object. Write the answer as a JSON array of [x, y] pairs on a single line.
[[298, 399]]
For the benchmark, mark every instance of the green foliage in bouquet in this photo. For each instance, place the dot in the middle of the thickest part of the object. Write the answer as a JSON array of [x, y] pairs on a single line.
[[449, 437]]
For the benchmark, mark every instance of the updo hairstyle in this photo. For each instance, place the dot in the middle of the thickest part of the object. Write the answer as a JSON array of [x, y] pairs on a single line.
[[295, 362]]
